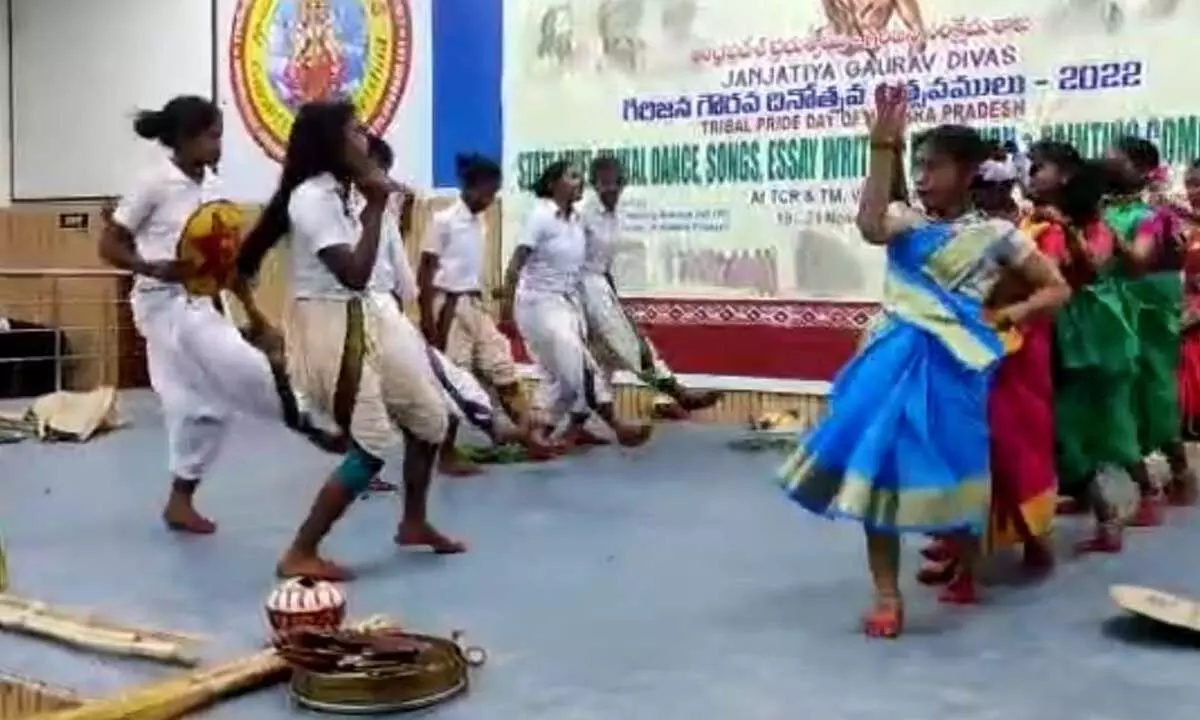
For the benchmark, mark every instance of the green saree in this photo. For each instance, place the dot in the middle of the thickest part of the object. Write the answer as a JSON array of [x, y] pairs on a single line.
[[1097, 353], [1155, 302]]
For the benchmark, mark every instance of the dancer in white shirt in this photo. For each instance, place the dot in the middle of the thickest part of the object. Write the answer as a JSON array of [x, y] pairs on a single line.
[[201, 366], [350, 348], [542, 296], [616, 342], [465, 397], [454, 315]]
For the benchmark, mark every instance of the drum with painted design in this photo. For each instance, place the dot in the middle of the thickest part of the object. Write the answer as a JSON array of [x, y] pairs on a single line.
[[306, 603], [209, 243]]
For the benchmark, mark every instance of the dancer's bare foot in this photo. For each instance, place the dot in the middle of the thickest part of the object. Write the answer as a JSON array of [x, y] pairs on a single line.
[[541, 450], [426, 535], [672, 411], [295, 564], [1038, 559], [633, 435], [188, 520], [1107, 539], [886, 619], [180, 514], [961, 590], [937, 551], [579, 438], [693, 400], [937, 573], [1148, 513]]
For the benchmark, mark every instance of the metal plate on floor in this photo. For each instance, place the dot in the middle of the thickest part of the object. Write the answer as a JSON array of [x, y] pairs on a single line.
[[1158, 606], [378, 708]]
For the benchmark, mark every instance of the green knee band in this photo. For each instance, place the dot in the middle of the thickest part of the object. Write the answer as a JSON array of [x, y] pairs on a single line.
[[357, 469]]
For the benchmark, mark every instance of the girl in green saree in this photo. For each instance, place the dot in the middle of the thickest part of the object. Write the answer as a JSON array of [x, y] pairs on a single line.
[[1148, 245]]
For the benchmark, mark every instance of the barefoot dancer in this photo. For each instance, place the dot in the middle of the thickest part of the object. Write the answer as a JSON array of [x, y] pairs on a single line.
[[1096, 347], [616, 341], [465, 397], [1020, 408], [349, 346], [1152, 262], [201, 367], [454, 316], [905, 446], [541, 294]]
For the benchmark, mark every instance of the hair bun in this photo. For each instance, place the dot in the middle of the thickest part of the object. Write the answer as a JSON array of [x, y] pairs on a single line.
[[148, 124]]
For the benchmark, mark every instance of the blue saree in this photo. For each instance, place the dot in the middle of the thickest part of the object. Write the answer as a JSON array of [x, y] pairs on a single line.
[[905, 445]]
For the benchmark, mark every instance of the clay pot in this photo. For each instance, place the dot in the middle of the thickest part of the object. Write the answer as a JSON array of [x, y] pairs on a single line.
[[306, 603]]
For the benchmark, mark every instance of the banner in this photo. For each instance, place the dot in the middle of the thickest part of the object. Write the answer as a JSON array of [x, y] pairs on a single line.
[[742, 123], [275, 55]]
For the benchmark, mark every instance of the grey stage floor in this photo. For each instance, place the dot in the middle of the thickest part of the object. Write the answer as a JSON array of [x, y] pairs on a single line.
[[671, 582]]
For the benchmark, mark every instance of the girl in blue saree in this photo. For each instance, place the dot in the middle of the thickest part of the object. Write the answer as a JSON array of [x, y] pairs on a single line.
[[905, 447]]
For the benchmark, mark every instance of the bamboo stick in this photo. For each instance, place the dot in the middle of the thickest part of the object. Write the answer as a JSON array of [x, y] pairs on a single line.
[[179, 696], [90, 632]]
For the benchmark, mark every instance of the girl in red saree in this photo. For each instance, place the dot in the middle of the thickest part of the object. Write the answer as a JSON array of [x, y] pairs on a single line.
[[1189, 355], [1020, 414]]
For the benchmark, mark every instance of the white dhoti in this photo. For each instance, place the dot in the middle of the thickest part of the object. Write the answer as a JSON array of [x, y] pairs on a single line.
[[363, 363], [615, 340], [463, 393], [203, 371], [554, 332]]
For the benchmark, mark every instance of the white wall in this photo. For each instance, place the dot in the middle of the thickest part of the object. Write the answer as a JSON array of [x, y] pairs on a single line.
[[80, 70], [249, 175]]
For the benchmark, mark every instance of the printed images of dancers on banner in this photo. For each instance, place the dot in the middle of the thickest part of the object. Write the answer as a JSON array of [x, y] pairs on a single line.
[[742, 125], [280, 54]]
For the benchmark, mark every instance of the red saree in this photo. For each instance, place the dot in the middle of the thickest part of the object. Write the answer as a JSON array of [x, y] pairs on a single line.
[[1189, 353], [1021, 414]]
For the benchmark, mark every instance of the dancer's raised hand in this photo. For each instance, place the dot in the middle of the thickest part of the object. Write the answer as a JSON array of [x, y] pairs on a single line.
[[891, 115]]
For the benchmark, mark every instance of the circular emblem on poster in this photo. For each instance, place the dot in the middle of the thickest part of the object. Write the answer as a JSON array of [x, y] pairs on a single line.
[[284, 53]]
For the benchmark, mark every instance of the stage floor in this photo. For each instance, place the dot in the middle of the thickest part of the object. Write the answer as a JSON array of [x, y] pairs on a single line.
[[675, 581]]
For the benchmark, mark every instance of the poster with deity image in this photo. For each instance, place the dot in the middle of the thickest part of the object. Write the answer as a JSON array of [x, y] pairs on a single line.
[[275, 55], [743, 125]]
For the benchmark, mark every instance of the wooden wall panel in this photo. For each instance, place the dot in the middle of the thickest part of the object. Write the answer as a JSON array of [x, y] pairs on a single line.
[[99, 326], [78, 294]]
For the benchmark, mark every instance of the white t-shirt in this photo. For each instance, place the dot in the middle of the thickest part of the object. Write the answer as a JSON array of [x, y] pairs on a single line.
[[602, 229], [156, 210], [320, 219], [457, 237], [557, 247], [404, 282], [392, 272]]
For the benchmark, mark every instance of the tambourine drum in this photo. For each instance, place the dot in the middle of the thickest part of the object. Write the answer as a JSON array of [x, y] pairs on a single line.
[[437, 673], [210, 241]]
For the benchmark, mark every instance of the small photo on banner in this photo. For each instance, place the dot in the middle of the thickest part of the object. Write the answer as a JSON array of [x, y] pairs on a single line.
[[742, 126], [276, 55]]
